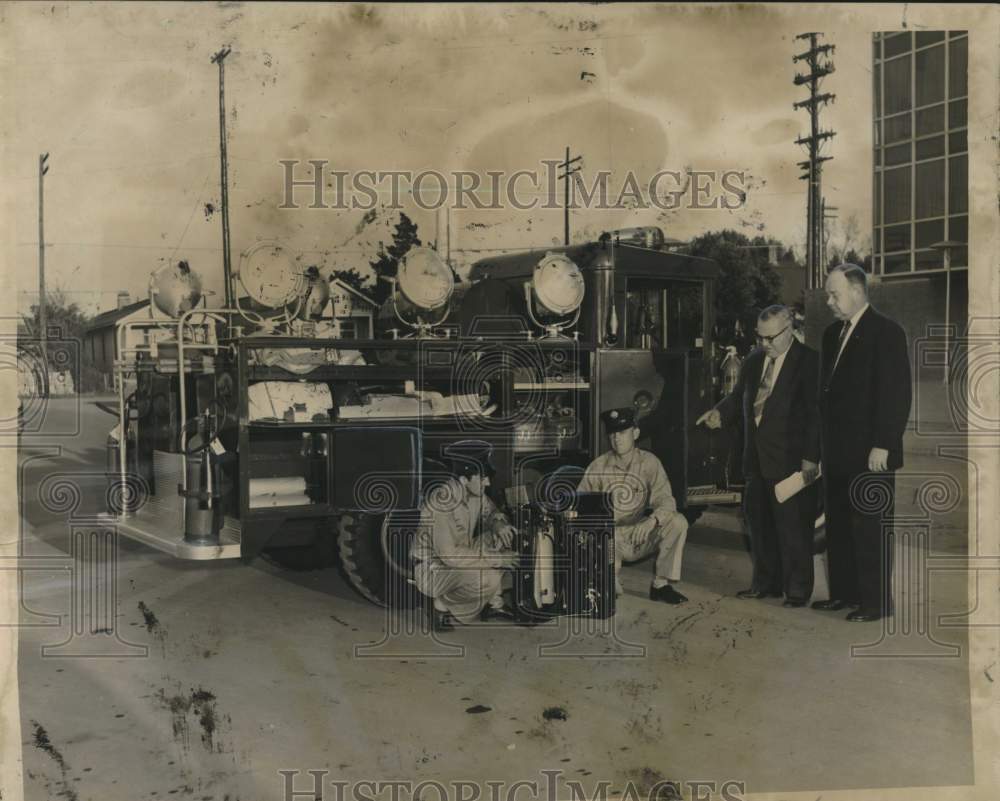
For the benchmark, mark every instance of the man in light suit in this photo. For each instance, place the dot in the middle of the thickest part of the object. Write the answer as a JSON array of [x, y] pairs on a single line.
[[775, 399], [865, 398]]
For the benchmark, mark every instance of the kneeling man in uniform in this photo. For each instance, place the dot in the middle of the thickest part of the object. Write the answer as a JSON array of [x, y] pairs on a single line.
[[462, 545], [646, 516]]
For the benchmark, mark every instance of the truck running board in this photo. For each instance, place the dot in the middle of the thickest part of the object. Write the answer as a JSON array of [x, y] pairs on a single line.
[[165, 532]]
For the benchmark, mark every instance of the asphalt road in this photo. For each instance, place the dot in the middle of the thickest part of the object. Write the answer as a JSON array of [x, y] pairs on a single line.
[[213, 677]]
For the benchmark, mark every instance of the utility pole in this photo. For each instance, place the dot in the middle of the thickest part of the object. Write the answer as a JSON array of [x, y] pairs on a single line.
[[219, 58], [565, 177], [43, 321], [819, 67], [826, 234]]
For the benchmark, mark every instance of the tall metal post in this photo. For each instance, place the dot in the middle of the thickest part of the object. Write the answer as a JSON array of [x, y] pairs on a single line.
[[565, 177], [219, 58], [43, 318], [813, 165]]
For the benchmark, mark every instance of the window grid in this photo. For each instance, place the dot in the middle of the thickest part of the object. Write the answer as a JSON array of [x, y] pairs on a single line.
[[951, 145]]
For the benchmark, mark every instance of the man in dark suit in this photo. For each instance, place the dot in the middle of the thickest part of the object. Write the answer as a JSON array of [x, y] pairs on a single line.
[[865, 398], [775, 398]]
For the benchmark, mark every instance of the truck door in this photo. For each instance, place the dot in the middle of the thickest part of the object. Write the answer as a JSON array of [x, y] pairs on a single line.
[[655, 381], [662, 368]]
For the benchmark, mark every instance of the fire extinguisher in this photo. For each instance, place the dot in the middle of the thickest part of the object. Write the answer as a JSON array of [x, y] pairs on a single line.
[[204, 492], [730, 369]]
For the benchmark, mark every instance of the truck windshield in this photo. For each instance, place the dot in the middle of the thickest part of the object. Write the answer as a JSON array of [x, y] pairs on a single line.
[[663, 313]]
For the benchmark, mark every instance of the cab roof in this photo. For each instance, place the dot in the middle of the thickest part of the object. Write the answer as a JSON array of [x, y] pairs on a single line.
[[627, 259]]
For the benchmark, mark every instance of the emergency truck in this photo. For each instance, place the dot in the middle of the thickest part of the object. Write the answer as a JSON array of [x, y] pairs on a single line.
[[262, 429]]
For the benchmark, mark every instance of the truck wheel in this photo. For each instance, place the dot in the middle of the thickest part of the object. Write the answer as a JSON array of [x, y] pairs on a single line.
[[375, 553]]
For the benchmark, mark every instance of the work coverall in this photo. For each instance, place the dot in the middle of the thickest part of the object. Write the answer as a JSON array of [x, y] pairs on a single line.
[[454, 551], [638, 484]]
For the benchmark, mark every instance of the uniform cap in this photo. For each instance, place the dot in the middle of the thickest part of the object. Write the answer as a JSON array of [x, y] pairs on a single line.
[[471, 457], [618, 419]]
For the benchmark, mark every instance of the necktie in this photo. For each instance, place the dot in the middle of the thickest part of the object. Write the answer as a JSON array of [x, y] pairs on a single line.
[[764, 390], [843, 332], [841, 340]]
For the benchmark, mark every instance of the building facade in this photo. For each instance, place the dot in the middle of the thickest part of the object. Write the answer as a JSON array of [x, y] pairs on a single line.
[[921, 182]]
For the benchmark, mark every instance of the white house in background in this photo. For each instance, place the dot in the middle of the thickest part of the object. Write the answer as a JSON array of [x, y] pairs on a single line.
[[352, 311], [99, 337]]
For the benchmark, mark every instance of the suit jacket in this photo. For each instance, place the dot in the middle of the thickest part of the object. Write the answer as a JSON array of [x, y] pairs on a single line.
[[865, 402], [789, 425]]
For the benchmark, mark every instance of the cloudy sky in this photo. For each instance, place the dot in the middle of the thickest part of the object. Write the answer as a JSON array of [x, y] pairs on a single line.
[[124, 98]]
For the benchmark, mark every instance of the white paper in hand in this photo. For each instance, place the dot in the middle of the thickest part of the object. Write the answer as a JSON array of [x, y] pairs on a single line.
[[792, 485]]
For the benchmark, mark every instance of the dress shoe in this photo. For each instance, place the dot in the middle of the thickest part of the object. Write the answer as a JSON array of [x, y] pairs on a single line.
[[754, 595], [833, 605], [795, 602], [666, 594], [864, 616], [442, 621], [494, 613]]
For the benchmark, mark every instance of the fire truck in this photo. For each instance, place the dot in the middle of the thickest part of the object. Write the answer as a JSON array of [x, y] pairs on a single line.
[[260, 429]]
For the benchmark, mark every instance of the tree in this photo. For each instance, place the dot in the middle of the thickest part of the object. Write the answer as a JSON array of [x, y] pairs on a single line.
[[851, 248], [387, 264], [66, 324], [354, 279], [746, 285]]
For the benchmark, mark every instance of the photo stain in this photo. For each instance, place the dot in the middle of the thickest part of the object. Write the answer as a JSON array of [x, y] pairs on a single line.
[[149, 618], [200, 703], [43, 743], [555, 713]]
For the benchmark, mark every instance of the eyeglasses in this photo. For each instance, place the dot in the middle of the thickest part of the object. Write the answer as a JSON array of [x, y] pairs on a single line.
[[770, 340]]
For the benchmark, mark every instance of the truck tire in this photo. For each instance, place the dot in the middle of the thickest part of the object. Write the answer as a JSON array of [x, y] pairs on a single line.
[[374, 551]]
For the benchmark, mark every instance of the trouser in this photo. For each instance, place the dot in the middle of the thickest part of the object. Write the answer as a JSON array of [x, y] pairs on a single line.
[[667, 539], [781, 538], [859, 512], [462, 591]]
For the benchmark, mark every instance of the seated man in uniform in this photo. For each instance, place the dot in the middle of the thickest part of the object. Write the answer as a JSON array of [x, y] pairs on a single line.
[[462, 545], [646, 516]]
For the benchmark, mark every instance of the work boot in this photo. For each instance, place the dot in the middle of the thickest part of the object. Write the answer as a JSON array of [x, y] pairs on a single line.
[[667, 594], [442, 621]]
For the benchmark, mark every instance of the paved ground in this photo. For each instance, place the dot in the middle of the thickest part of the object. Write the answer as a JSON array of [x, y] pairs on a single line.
[[249, 670]]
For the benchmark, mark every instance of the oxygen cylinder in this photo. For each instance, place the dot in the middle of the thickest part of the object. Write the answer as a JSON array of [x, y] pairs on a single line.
[[545, 582]]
